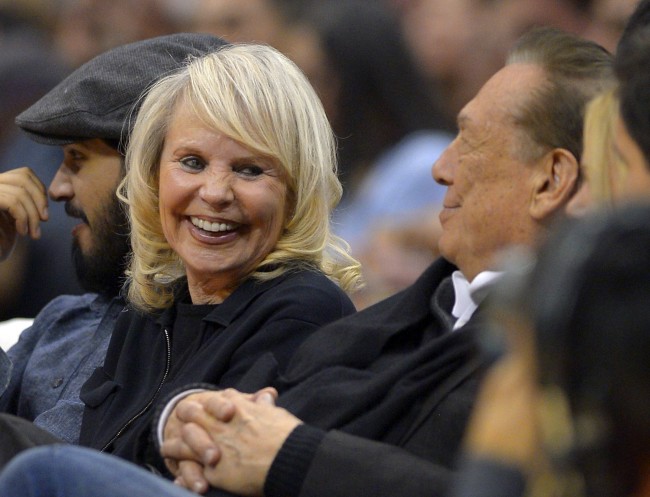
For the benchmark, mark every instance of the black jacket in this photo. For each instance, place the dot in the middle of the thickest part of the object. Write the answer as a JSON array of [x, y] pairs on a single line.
[[390, 400], [256, 328], [385, 395]]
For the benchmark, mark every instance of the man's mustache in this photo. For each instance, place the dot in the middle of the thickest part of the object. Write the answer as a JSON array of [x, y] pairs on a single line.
[[72, 211]]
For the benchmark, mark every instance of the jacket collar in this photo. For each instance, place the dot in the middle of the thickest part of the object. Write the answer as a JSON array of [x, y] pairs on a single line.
[[231, 308]]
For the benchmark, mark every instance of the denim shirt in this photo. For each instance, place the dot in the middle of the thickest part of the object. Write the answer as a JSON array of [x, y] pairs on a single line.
[[5, 370], [54, 357]]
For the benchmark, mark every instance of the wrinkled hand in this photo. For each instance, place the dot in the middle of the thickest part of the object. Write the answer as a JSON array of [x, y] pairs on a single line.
[[188, 446], [248, 443], [23, 205]]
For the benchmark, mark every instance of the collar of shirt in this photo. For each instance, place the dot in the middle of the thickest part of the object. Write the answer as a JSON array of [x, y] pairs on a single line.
[[470, 295]]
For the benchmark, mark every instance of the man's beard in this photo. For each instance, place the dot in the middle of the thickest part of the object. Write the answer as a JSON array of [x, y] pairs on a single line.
[[101, 269]]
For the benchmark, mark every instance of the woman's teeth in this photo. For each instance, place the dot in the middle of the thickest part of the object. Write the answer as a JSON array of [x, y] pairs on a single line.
[[212, 227]]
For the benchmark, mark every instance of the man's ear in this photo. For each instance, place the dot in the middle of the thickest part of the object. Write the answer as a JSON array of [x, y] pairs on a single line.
[[555, 184]]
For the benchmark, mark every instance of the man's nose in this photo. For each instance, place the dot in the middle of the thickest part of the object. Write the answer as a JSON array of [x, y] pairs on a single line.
[[443, 169], [60, 188]]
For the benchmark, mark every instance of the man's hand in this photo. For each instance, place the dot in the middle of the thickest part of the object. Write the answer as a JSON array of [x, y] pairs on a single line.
[[188, 445], [23, 205], [248, 442]]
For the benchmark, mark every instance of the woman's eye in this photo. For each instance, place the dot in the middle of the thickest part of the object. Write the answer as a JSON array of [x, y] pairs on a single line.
[[249, 170], [192, 163]]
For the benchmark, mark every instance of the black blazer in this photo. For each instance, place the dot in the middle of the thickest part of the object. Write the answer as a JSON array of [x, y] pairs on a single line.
[[394, 390]]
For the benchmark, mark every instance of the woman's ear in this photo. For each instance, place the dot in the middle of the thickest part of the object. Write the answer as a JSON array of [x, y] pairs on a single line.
[[555, 184]]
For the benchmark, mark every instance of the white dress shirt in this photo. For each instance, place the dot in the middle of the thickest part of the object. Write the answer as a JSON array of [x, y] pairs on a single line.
[[469, 295]]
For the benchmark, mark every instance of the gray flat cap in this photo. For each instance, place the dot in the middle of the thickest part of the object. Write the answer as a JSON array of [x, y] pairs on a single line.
[[97, 99]]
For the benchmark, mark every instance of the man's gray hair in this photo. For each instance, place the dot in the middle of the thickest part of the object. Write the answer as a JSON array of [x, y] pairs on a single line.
[[576, 70]]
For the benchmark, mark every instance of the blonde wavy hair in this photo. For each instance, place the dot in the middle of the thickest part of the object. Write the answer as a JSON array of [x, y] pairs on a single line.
[[259, 98], [605, 170]]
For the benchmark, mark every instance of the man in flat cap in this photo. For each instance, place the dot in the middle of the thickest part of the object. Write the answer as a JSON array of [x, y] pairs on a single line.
[[89, 115]]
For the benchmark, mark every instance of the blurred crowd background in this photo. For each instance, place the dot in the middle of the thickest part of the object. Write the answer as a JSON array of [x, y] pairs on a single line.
[[392, 75]]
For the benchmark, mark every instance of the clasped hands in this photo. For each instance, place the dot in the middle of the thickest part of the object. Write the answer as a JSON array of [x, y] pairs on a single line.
[[226, 439]]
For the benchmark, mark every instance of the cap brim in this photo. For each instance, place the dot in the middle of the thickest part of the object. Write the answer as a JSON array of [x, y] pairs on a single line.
[[54, 140]]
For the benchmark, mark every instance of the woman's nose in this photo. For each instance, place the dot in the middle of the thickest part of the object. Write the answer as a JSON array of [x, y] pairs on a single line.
[[217, 189]]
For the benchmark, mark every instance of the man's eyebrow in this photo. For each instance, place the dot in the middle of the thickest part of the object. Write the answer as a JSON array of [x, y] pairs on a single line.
[[76, 146]]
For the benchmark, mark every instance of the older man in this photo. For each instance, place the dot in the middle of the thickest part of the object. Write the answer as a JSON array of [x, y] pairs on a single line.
[[509, 394], [379, 400]]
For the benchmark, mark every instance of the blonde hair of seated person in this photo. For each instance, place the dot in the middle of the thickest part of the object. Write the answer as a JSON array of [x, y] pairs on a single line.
[[603, 173]]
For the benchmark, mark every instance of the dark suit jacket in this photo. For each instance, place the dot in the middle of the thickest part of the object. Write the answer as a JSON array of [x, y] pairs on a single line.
[[393, 387]]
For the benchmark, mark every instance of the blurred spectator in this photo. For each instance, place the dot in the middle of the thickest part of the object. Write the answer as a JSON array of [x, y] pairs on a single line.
[[565, 411], [450, 41], [85, 28], [390, 133], [258, 21], [608, 18], [381, 96], [458, 44]]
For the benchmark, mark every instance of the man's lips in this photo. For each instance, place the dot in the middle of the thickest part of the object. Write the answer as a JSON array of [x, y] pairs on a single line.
[[446, 212], [77, 227]]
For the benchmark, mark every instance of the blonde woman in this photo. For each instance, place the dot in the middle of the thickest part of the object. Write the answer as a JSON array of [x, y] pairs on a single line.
[[231, 179]]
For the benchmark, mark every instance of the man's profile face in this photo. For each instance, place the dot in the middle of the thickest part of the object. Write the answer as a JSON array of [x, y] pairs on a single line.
[[489, 186], [86, 181]]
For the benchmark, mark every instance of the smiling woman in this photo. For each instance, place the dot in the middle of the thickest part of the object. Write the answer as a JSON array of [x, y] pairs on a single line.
[[231, 179], [215, 144]]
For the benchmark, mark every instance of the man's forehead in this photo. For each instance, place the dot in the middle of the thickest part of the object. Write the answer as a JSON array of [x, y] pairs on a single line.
[[504, 94]]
